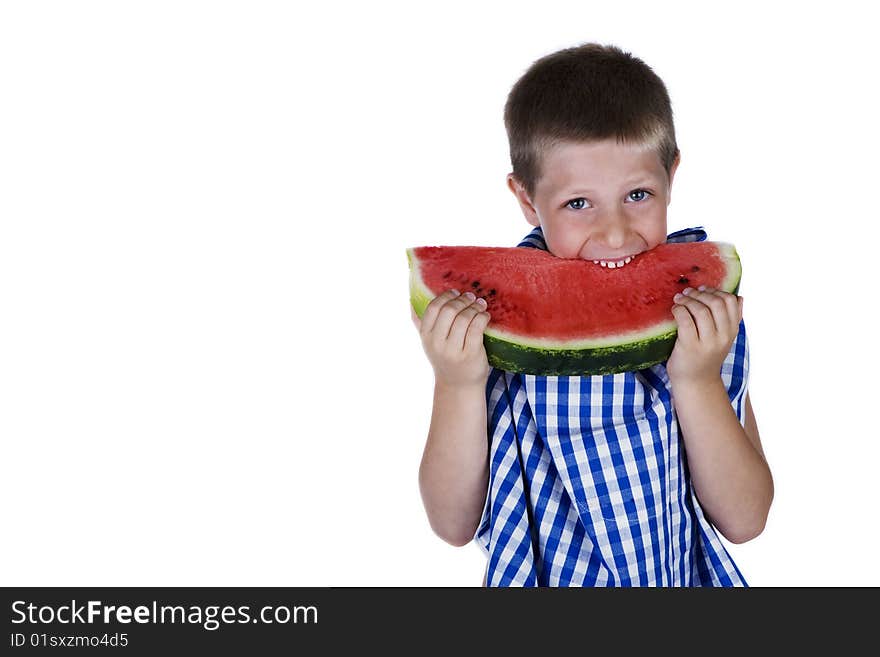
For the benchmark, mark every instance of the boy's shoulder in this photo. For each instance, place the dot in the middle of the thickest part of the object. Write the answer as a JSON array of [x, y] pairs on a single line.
[[695, 234]]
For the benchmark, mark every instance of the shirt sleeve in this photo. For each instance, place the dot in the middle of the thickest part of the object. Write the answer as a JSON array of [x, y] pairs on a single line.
[[496, 406], [735, 372]]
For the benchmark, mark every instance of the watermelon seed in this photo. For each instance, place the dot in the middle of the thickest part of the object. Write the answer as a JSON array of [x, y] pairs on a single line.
[[475, 284], [695, 268], [447, 274], [683, 280], [492, 292]]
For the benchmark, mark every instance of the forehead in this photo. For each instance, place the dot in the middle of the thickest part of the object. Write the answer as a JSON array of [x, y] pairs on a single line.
[[570, 164]]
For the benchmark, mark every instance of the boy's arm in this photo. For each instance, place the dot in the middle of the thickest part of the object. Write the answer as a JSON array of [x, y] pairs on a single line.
[[752, 427], [728, 470], [453, 475]]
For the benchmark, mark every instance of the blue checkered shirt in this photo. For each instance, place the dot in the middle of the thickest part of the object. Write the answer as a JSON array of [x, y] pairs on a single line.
[[588, 479]]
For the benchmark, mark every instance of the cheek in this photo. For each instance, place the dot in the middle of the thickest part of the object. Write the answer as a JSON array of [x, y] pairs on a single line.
[[564, 242], [652, 225]]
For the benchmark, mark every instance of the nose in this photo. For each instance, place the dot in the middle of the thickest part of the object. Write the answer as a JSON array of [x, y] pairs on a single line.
[[613, 231]]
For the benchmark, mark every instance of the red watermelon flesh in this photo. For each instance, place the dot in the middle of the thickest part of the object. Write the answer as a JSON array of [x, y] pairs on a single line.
[[532, 292], [556, 316]]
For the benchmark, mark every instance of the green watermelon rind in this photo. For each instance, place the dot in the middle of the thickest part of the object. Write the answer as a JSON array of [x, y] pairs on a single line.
[[521, 356], [513, 357]]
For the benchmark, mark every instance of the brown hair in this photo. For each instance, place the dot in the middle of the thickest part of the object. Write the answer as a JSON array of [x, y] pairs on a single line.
[[581, 94]]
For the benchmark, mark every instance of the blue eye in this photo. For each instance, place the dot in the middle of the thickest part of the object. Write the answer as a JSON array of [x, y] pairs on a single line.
[[576, 200], [641, 193]]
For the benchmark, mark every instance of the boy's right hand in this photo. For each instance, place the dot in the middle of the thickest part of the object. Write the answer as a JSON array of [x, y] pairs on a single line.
[[451, 329]]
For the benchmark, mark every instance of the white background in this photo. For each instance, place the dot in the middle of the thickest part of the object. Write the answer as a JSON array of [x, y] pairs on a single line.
[[208, 373]]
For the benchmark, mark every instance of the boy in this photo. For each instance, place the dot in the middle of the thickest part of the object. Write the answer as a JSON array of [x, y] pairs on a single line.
[[616, 480]]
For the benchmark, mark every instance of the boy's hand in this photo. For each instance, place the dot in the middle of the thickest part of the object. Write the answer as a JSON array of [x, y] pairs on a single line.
[[708, 322], [451, 329]]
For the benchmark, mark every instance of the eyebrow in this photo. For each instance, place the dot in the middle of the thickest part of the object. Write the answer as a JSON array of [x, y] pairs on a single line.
[[634, 183], [639, 179]]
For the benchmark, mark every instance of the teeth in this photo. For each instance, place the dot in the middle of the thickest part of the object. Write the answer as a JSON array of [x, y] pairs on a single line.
[[610, 264]]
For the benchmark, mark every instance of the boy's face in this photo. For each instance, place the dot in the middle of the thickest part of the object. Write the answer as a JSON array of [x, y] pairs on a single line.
[[599, 200]]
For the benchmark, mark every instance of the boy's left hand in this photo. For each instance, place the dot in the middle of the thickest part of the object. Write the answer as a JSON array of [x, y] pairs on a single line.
[[708, 322]]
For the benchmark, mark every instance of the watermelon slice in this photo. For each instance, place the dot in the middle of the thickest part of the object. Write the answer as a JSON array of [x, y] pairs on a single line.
[[568, 317]]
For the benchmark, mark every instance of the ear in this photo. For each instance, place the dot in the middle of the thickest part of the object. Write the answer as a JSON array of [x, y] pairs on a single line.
[[672, 170], [522, 198]]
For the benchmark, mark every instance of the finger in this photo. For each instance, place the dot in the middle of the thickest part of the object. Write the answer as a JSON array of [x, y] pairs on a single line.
[[714, 300], [734, 313], [462, 322], [446, 320], [687, 330], [429, 317], [730, 318], [415, 318], [701, 313], [473, 340]]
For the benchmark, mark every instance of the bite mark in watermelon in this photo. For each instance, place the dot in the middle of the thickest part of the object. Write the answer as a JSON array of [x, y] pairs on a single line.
[[566, 317]]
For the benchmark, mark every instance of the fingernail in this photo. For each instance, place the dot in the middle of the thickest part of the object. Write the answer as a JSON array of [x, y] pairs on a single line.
[[470, 295], [455, 292], [687, 290], [677, 297], [701, 288], [482, 302]]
